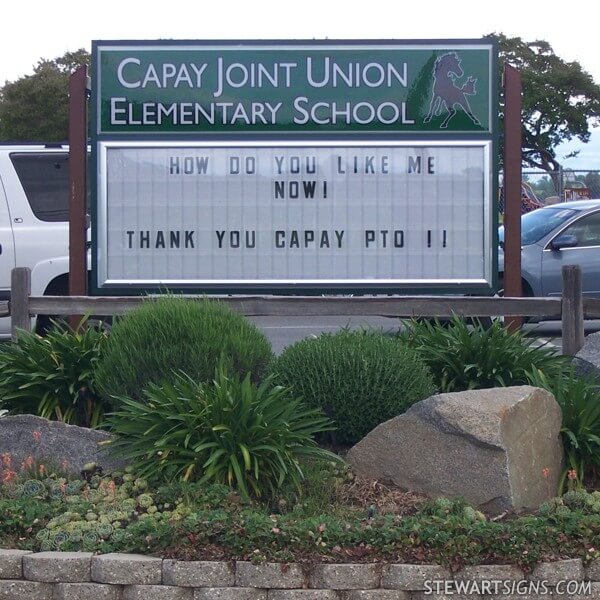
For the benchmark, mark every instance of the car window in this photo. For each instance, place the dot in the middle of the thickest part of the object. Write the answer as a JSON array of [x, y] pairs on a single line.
[[45, 179], [586, 230], [539, 223]]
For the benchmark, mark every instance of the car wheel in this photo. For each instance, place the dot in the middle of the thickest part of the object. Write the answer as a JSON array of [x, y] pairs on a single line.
[[526, 292]]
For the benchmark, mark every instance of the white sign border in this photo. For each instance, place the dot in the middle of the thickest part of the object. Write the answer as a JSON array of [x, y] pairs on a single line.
[[102, 215]]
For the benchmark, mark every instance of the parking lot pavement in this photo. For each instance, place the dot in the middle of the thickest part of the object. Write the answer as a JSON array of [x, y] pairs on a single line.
[[283, 331], [551, 331]]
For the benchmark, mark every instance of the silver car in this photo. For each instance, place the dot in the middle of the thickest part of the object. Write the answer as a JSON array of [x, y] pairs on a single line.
[[562, 234]]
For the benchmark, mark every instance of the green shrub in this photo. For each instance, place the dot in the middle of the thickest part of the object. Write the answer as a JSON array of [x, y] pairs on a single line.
[[359, 378], [579, 399], [463, 357], [228, 431], [53, 376], [168, 335]]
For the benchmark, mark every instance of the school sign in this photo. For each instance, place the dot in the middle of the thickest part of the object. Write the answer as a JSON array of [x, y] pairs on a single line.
[[294, 167]]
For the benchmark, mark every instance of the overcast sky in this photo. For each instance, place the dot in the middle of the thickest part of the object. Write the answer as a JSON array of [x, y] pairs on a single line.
[[34, 29]]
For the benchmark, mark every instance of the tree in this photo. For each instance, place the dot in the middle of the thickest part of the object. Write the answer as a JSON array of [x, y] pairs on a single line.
[[559, 100], [36, 106], [592, 181], [544, 187]]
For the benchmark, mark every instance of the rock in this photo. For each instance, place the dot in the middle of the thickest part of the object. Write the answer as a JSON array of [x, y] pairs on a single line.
[[587, 360], [585, 368], [65, 446], [591, 348], [490, 447]]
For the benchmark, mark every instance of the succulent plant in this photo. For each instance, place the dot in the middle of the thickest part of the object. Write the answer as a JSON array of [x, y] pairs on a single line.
[[129, 504], [96, 512], [74, 487], [59, 538], [42, 534], [76, 536], [34, 487], [145, 500], [575, 498], [140, 485], [443, 504], [562, 511], [104, 530]]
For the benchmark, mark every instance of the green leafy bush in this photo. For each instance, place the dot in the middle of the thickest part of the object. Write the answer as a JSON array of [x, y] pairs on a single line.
[[463, 357], [228, 431], [170, 334], [579, 399], [359, 378], [53, 376]]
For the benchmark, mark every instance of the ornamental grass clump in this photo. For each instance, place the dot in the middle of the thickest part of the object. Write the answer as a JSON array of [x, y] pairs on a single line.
[[228, 431], [359, 378], [170, 335], [579, 399], [53, 376], [466, 357]]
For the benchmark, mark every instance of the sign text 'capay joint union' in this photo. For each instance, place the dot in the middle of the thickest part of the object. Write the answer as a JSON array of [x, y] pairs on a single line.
[[221, 79]]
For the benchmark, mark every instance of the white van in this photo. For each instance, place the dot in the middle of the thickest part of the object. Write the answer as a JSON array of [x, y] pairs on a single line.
[[34, 219]]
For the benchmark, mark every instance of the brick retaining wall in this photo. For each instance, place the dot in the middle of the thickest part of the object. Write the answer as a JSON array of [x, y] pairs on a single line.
[[84, 576]]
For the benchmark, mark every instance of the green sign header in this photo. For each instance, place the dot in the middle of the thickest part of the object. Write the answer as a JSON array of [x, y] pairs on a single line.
[[171, 88]]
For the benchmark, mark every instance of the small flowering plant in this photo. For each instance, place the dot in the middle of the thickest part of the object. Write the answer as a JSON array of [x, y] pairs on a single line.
[[14, 472], [573, 480], [7, 473]]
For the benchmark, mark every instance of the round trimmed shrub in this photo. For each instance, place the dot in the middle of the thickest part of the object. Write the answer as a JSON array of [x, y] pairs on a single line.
[[359, 378], [170, 335]]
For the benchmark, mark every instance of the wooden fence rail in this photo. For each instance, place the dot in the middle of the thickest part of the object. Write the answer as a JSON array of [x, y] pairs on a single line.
[[571, 308]]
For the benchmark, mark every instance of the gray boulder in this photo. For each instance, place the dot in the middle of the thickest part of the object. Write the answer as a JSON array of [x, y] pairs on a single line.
[[587, 360], [591, 348], [499, 449], [63, 445], [587, 369]]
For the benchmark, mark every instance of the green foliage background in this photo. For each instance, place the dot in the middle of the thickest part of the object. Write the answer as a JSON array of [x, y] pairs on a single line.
[[560, 99], [36, 107]]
